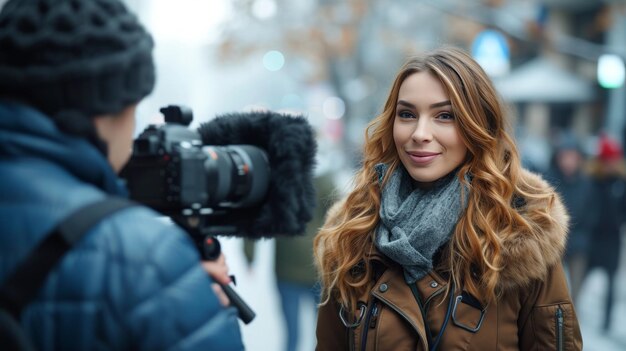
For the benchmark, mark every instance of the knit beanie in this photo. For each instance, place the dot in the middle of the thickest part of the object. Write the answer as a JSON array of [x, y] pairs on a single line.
[[568, 141], [74, 59]]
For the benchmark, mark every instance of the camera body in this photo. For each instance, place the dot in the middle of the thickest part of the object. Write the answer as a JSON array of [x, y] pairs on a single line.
[[171, 171]]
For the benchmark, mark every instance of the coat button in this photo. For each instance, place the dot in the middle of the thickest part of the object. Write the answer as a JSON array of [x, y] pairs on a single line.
[[383, 287], [433, 284]]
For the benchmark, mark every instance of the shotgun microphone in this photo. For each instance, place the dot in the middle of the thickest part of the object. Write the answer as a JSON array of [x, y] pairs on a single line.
[[290, 145]]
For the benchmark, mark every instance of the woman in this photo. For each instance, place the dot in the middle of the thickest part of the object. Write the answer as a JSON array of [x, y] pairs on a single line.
[[445, 242]]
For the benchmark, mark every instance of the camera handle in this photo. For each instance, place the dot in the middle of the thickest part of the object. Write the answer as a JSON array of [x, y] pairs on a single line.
[[211, 250]]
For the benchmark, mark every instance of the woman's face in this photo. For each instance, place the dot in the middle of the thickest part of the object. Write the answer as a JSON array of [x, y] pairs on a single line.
[[425, 131]]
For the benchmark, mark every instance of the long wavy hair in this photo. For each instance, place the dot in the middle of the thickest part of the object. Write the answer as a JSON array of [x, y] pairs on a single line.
[[473, 255]]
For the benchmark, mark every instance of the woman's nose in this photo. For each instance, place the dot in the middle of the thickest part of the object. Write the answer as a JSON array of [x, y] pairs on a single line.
[[423, 132]]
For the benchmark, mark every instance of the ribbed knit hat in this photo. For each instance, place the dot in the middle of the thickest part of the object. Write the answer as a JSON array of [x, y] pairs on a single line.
[[74, 59]]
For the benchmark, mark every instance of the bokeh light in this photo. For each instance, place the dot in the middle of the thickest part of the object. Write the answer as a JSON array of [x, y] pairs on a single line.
[[334, 108], [264, 9], [273, 60]]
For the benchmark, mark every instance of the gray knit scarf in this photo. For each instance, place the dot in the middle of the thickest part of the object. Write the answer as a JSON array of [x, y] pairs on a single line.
[[415, 222]]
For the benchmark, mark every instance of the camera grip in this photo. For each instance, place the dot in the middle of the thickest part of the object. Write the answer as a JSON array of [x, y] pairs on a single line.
[[246, 314], [211, 249]]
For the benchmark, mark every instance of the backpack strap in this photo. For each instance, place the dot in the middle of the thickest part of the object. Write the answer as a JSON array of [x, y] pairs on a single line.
[[22, 286]]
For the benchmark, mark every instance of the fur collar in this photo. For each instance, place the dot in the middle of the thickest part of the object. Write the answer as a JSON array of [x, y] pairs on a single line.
[[527, 255]]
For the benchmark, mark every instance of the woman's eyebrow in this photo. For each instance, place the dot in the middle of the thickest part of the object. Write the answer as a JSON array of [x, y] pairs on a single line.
[[435, 105], [441, 104], [406, 103]]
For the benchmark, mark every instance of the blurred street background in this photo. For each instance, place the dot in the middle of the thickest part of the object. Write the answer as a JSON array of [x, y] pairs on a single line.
[[558, 64]]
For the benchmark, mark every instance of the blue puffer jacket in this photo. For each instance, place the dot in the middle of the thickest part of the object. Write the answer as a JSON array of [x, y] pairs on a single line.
[[134, 282]]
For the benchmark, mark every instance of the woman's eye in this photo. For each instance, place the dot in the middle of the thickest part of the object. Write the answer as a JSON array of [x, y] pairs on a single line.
[[405, 114], [447, 116]]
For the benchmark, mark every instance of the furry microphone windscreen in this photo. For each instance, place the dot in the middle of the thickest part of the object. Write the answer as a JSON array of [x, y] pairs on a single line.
[[290, 144]]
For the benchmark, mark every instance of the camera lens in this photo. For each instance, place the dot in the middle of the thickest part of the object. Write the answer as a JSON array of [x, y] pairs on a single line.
[[237, 175]]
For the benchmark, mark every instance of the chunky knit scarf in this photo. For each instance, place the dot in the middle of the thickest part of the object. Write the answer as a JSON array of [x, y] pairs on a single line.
[[415, 222]]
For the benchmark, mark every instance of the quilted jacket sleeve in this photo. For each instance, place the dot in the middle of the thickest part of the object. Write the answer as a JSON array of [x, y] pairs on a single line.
[[161, 293]]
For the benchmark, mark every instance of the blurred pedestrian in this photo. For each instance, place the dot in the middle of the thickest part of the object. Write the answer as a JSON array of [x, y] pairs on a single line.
[[296, 276], [608, 207], [567, 174]]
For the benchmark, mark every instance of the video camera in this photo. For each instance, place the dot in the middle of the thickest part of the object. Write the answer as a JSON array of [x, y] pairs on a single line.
[[172, 172], [216, 180], [196, 185]]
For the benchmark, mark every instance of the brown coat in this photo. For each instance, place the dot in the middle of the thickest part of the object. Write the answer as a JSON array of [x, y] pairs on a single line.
[[535, 311]]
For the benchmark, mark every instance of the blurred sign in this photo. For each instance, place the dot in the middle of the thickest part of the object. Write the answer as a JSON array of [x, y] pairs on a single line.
[[528, 83], [491, 50], [611, 71]]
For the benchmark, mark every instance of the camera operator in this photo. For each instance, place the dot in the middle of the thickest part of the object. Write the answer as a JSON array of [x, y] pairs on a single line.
[[71, 75]]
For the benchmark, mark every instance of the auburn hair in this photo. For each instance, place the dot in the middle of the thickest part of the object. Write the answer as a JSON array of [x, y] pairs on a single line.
[[473, 255]]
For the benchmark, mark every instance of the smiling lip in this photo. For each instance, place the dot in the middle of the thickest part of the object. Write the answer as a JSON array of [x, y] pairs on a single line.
[[422, 157]]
